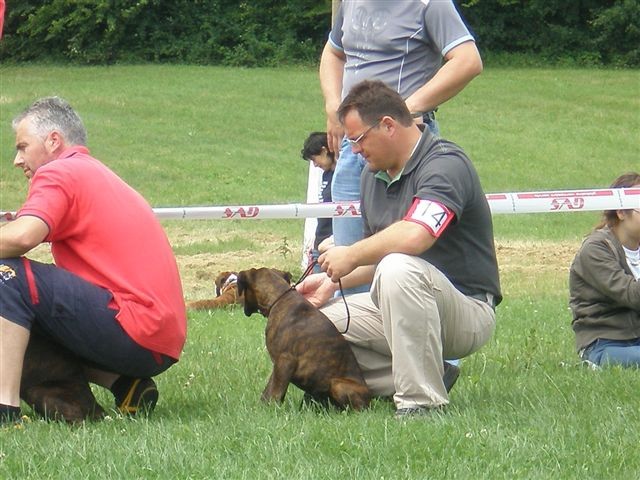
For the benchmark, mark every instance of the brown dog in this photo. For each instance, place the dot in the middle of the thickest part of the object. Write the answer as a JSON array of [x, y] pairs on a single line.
[[226, 293], [305, 347], [54, 384]]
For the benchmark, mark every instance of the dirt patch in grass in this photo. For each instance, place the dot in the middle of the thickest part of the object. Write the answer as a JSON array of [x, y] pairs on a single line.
[[536, 257], [531, 258]]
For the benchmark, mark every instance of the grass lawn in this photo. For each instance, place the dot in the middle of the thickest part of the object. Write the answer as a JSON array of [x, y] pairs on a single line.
[[186, 135]]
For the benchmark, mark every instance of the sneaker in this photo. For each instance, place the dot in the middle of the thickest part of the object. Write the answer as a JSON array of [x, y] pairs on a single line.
[[134, 395], [450, 376], [413, 412]]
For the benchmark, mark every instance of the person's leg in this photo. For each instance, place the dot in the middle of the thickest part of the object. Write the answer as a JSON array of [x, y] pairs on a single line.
[[345, 187], [13, 344], [89, 328], [625, 353], [76, 315], [15, 325], [425, 319], [84, 322], [365, 335], [362, 327]]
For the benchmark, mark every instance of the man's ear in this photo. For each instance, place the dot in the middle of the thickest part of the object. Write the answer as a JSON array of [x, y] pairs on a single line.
[[54, 142], [387, 122]]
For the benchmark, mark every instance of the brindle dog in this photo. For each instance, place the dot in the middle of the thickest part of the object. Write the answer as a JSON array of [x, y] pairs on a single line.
[[305, 347], [54, 384], [226, 293]]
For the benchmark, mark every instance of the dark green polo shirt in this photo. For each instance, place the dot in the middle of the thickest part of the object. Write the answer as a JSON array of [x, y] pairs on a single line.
[[440, 171]]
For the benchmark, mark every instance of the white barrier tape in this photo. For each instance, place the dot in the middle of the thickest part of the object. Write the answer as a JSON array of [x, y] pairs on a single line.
[[500, 203]]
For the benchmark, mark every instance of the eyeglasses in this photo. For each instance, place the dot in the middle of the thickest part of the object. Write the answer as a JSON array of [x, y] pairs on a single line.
[[356, 141]]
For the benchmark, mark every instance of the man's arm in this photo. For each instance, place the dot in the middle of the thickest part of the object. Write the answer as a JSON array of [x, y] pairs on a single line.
[[331, 71], [401, 237], [462, 64], [21, 235]]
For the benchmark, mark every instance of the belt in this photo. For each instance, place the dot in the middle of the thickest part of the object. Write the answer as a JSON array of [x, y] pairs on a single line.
[[487, 298], [427, 117]]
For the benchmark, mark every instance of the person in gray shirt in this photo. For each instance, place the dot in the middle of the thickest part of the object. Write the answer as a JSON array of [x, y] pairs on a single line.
[[428, 251]]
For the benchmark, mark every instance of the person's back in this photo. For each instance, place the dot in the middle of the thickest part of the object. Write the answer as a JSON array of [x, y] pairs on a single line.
[[105, 232]]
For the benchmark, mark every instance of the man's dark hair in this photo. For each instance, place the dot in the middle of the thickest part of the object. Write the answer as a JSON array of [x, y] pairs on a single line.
[[314, 144], [374, 100]]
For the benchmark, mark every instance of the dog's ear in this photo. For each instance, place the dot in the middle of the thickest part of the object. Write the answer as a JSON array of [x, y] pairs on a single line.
[[244, 288], [286, 275], [242, 282]]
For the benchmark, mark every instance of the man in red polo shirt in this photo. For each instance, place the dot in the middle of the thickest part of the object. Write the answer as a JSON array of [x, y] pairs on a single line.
[[114, 295]]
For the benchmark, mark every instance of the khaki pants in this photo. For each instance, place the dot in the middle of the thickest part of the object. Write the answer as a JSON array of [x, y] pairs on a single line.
[[401, 331]]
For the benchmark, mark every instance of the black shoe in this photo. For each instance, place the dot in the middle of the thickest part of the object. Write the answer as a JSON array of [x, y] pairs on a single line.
[[135, 395], [9, 415], [450, 376]]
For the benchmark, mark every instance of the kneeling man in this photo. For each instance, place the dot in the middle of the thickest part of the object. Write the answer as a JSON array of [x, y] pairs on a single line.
[[428, 249], [114, 296]]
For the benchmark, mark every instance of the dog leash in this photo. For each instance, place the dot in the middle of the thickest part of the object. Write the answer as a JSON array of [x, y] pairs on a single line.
[[305, 275], [293, 287]]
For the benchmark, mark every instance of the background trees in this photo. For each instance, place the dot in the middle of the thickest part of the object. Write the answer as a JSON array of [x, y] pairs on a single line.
[[269, 32]]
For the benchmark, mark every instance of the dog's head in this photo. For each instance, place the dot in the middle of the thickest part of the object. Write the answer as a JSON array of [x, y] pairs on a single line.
[[260, 286], [223, 280]]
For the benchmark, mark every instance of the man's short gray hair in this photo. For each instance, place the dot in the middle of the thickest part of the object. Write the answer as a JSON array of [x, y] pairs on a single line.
[[53, 113]]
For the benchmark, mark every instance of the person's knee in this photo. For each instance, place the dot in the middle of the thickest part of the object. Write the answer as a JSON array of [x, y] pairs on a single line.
[[398, 272]]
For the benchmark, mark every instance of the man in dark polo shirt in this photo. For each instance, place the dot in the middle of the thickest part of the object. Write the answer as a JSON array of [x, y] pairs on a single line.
[[428, 249]]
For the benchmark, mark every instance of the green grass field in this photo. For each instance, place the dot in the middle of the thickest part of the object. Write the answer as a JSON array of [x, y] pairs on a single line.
[[184, 136]]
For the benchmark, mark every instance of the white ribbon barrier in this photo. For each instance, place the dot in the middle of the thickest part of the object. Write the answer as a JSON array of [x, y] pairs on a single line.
[[500, 203]]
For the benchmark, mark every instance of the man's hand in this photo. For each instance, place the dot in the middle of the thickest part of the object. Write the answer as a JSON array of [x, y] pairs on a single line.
[[317, 288], [335, 134], [326, 244], [337, 262]]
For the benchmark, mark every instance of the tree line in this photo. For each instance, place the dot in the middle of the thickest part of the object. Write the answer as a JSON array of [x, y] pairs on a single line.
[[271, 33]]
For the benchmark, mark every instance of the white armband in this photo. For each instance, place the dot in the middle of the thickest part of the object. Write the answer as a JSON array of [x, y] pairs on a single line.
[[432, 215]]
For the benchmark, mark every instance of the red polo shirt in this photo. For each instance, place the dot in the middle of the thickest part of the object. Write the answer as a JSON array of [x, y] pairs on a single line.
[[104, 231]]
